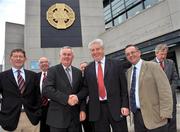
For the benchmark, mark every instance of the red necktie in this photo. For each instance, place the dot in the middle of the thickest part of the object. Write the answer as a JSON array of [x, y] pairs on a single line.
[[161, 64], [101, 86], [21, 82], [44, 100]]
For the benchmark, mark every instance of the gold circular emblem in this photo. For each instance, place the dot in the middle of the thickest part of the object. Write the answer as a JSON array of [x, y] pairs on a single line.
[[60, 16]]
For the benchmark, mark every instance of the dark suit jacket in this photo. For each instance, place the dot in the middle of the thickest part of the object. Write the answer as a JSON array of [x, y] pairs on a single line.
[[58, 88], [39, 78], [116, 88], [44, 108], [171, 73], [12, 100]]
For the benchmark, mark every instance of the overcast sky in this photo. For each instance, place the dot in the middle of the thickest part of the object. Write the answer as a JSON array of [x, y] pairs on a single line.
[[10, 11]]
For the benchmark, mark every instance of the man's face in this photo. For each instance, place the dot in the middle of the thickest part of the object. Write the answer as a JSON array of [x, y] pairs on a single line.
[[17, 60], [97, 51], [66, 57], [43, 64], [161, 55], [132, 54]]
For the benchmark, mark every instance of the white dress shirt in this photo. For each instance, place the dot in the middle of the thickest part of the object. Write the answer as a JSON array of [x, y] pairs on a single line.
[[138, 69], [41, 80]]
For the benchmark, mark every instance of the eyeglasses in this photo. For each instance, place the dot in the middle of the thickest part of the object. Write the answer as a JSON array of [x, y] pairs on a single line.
[[18, 56], [131, 53]]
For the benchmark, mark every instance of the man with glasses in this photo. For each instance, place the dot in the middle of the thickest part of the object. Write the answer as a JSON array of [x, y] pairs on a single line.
[[20, 111], [149, 93]]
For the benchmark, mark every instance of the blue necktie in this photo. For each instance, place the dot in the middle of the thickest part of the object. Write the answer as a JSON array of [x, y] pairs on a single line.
[[132, 92]]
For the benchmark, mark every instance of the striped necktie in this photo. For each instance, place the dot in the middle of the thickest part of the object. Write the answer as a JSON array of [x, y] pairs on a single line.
[[21, 82]]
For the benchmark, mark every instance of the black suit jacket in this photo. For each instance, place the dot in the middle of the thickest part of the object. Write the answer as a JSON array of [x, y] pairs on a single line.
[[39, 78], [116, 88], [58, 88], [12, 100]]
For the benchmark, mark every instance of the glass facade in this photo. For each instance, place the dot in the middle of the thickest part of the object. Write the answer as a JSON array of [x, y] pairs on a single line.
[[117, 11]]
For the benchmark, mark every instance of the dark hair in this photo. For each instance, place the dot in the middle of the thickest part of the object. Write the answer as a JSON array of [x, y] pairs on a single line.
[[131, 45], [18, 50]]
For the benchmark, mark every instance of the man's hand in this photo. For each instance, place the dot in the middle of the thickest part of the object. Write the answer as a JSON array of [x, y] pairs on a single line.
[[73, 100], [125, 111], [82, 116]]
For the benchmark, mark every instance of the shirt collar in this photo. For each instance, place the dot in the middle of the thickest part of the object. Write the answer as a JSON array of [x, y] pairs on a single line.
[[138, 65], [102, 61], [15, 70], [70, 67], [158, 60]]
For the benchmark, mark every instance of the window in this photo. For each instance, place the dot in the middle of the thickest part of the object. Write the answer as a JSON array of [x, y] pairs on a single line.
[[135, 10], [120, 19], [149, 3], [117, 11]]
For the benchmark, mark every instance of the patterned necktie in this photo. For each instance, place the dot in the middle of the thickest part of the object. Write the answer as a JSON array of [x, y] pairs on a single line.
[[132, 92], [44, 99], [101, 86], [21, 82], [68, 75], [162, 65], [44, 76]]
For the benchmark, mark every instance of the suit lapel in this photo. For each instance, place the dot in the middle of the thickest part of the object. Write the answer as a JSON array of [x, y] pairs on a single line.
[[63, 74], [129, 78], [11, 77], [27, 79], [166, 63], [92, 71], [142, 72], [106, 68], [74, 76]]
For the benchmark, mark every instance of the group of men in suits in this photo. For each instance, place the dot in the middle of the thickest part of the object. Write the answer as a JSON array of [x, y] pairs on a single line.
[[57, 96]]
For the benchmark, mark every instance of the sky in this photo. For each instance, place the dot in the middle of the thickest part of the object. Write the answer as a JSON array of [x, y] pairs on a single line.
[[10, 11]]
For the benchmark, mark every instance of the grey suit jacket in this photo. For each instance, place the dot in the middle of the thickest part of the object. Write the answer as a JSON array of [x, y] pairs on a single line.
[[58, 88], [171, 73], [154, 94]]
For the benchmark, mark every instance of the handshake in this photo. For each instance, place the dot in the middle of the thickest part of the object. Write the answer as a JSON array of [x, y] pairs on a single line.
[[73, 100]]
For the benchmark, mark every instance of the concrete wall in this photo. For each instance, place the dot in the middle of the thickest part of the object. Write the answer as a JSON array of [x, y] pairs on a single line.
[[155, 21], [92, 22], [14, 38]]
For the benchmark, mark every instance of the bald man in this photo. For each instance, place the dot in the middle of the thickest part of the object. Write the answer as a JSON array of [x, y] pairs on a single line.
[[43, 65]]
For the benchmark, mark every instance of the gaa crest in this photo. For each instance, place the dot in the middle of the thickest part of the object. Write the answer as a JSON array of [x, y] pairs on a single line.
[[60, 16]]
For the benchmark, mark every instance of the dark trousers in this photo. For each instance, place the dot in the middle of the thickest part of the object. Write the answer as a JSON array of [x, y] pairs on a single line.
[[105, 120], [87, 125], [172, 122], [140, 127], [73, 127], [43, 126]]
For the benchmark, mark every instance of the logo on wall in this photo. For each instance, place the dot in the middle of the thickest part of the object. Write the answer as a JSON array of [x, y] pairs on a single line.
[[60, 16]]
